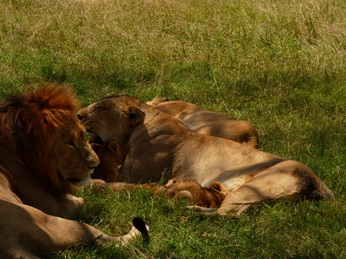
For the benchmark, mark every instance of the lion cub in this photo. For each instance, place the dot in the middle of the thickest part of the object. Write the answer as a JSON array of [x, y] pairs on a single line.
[[211, 197], [111, 157], [105, 175]]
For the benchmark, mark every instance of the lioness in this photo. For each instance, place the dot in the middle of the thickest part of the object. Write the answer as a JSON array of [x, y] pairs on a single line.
[[106, 173], [207, 122], [44, 156], [157, 145]]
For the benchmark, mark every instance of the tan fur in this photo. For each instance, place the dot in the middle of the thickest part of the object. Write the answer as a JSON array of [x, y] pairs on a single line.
[[211, 197], [207, 122], [110, 157], [100, 185], [44, 157], [106, 172], [164, 146]]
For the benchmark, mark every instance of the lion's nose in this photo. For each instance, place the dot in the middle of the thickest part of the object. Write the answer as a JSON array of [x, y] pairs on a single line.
[[93, 160]]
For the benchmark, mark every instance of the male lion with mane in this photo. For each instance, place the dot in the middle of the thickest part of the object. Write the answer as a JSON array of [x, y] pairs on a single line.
[[157, 145], [44, 156]]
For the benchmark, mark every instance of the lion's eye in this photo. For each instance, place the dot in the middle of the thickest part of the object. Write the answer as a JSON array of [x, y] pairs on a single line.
[[100, 108], [71, 144]]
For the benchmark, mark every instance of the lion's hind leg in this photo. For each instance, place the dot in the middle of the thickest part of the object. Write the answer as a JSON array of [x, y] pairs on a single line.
[[288, 180]]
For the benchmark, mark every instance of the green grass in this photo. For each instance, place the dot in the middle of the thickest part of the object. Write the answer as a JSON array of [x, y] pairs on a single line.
[[279, 64]]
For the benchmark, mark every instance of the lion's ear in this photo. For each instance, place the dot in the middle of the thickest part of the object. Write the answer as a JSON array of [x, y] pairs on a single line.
[[28, 121], [135, 115], [36, 121], [113, 146], [217, 187]]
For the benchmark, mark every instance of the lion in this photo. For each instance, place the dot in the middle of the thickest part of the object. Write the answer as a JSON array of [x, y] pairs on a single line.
[[111, 157], [211, 197], [203, 121], [159, 146], [105, 176], [106, 173], [44, 157]]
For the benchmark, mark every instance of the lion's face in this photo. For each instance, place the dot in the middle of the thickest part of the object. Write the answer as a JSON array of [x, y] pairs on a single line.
[[42, 129], [112, 118], [75, 158], [111, 157]]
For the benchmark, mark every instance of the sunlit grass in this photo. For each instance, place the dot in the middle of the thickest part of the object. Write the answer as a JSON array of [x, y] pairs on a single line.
[[278, 64]]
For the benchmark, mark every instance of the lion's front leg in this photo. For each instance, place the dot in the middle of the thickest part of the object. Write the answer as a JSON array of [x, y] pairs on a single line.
[[72, 205], [30, 232]]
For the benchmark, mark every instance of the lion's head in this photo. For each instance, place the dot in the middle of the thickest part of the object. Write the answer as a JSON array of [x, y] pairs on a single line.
[[41, 129], [111, 157], [211, 197], [112, 118]]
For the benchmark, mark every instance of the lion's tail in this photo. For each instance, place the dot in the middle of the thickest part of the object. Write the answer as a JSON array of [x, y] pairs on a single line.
[[312, 188], [323, 192], [139, 224]]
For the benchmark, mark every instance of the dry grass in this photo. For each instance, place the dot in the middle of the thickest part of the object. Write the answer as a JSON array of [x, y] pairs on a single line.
[[279, 64]]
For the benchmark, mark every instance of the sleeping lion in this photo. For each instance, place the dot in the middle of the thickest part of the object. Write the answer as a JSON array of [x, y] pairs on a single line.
[[44, 156], [106, 173], [203, 121], [156, 145]]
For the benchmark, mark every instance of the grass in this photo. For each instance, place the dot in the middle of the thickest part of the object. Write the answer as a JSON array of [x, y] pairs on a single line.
[[279, 64]]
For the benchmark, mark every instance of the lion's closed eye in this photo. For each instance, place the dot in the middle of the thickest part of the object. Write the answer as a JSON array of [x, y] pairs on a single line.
[[100, 108], [71, 143]]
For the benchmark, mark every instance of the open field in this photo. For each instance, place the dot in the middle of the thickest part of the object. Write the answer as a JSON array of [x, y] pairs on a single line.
[[279, 64]]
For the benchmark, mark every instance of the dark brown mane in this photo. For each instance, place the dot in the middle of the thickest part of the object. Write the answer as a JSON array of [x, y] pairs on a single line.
[[31, 122]]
